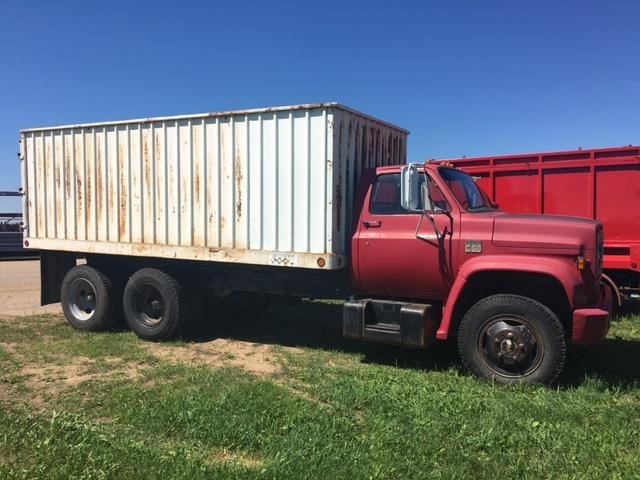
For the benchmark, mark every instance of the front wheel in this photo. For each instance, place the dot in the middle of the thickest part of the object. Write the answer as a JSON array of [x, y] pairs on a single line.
[[512, 339]]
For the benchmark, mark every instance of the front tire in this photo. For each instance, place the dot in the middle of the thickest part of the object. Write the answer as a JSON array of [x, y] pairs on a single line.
[[88, 299], [153, 304], [512, 339]]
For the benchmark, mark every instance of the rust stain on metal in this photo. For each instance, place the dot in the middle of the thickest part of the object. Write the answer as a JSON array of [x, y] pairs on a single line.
[[237, 159], [79, 186], [197, 154], [122, 214], [59, 227], [142, 249], [39, 177], [172, 189], [79, 203], [57, 174], [185, 183], [184, 200], [159, 184], [197, 186], [67, 171], [338, 192], [100, 184], [59, 218], [146, 162], [89, 172], [213, 250]]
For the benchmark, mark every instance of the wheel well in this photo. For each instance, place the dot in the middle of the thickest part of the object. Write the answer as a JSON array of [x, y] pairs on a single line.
[[540, 287]]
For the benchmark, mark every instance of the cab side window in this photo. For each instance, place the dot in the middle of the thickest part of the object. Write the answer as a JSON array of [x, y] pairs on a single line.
[[385, 197]]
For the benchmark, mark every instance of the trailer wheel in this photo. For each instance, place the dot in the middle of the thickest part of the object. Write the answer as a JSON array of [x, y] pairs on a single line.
[[88, 299], [153, 304], [512, 339]]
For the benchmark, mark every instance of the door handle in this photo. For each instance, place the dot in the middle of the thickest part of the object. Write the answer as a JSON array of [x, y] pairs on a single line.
[[372, 223]]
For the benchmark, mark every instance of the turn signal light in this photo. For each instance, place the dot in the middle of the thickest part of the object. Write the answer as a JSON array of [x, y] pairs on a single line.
[[581, 262]]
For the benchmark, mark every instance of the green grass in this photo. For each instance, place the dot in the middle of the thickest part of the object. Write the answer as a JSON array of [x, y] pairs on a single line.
[[336, 409]]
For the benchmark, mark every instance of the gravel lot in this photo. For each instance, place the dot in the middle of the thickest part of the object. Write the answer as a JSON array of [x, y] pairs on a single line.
[[20, 288]]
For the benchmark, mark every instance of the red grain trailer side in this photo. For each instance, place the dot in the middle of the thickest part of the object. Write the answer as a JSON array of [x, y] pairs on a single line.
[[602, 183]]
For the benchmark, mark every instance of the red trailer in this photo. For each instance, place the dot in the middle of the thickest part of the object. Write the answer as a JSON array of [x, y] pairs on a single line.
[[603, 184]]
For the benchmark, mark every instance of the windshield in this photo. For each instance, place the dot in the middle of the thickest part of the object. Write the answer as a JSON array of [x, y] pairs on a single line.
[[467, 193]]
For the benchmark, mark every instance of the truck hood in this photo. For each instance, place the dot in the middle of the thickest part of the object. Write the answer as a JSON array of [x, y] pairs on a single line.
[[567, 235]]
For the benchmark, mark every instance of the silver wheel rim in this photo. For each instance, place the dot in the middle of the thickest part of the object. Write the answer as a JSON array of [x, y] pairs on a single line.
[[149, 305], [81, 299], [510, 346]]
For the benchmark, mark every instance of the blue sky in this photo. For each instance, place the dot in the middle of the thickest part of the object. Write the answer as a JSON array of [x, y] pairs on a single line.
[[465, 77]]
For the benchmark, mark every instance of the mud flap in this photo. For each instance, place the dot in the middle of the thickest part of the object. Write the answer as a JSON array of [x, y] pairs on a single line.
[[53, 267]]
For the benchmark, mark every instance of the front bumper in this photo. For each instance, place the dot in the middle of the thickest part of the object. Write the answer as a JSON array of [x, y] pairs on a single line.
[[591, 325]]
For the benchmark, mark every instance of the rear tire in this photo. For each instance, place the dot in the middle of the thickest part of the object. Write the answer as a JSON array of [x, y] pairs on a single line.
[[512, 339], [88, 299], [154, 304]]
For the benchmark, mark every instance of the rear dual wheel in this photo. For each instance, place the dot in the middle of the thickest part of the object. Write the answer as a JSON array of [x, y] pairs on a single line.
[[154, 304], [89, 298]]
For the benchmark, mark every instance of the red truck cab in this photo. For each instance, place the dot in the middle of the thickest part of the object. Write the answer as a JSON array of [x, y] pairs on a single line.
[[514, 289]]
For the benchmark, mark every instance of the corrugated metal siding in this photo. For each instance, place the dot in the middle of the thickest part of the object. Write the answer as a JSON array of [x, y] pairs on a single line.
[[223, 186], [361, 143]]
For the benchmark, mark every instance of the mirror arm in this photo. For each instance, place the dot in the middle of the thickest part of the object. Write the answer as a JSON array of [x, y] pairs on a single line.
[[433, 224], [419, 225], [426, 196]]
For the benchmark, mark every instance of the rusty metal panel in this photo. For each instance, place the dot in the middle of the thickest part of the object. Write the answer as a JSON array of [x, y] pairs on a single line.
[[69, 186], [111, 178], [58, 161], [269, 186]]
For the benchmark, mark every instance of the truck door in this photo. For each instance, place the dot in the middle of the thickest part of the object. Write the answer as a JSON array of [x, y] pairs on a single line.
[[391, 260]]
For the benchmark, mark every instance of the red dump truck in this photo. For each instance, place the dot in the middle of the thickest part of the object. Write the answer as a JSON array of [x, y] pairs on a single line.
[[602, 184], [304, 201]]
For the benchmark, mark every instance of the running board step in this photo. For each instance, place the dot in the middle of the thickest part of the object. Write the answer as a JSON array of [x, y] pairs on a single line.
[[385, 321]]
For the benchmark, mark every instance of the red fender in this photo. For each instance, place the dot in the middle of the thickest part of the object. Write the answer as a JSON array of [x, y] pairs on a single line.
[[561, 269]]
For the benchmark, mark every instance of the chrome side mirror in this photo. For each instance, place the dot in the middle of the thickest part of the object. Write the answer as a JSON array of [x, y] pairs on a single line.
[[410, 190]]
